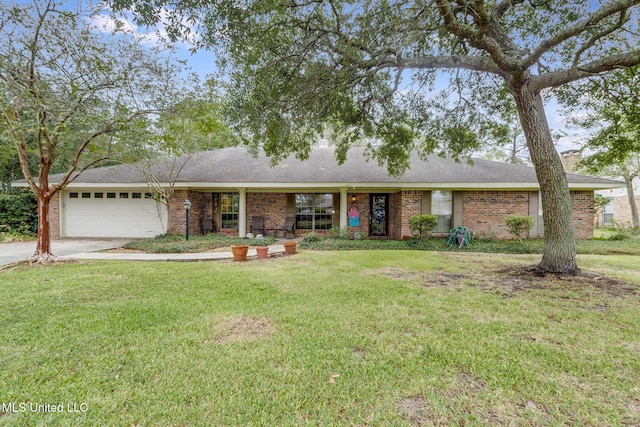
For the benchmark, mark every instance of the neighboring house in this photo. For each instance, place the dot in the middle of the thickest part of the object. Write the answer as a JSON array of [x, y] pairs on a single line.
[[229, 186], [618, 210]]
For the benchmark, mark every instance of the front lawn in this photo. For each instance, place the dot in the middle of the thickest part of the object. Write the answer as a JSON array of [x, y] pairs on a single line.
[[321, 338]]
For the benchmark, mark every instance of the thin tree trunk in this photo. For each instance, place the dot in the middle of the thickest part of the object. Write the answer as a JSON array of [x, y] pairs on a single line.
[[43, 246], [559, 231], [632, 201]]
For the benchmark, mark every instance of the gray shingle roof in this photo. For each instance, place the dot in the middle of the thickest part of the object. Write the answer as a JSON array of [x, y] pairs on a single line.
[[236, 165]]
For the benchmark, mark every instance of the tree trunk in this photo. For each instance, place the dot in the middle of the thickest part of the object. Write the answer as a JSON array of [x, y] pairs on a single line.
[[557, 211], [632, 201], [43, 246]]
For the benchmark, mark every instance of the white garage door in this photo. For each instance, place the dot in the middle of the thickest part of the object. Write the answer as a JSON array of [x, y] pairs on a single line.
[[112, 214]]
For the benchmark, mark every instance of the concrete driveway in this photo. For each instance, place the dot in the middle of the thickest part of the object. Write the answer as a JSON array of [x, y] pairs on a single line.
[[19, 251]]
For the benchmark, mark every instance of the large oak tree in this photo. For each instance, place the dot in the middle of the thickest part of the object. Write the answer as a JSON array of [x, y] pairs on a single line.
[[69, 93], [368, 68]]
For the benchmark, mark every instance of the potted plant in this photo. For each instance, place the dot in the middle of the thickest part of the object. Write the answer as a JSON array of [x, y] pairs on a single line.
[[239, 252], [262, 249], [290, 247]]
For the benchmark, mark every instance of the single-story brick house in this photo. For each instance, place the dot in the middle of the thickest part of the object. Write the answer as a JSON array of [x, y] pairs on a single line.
[[228, 187]]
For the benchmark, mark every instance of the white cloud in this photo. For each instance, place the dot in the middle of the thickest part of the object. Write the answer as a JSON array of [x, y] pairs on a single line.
[[106, 23]]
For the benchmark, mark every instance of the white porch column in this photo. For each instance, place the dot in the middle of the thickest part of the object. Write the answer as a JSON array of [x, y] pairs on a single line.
[[343, 208], [242, 212]]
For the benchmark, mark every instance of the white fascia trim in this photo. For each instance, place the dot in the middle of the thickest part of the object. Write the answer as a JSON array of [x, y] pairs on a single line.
[[379, 186]]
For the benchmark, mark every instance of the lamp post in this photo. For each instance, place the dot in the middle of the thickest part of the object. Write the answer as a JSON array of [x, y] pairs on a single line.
[[187, 206]]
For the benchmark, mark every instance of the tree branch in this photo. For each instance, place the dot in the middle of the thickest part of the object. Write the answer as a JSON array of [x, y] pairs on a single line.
[[560, 77], [76, 157], [592, 41], [562, 36], [473, 63]]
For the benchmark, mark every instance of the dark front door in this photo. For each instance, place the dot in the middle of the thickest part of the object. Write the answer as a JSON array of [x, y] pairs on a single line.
[[379, 215]]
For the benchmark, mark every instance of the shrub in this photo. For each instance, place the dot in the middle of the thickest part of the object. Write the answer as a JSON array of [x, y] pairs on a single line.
[[421, 225], [311, 237], [19, 212], [519, 225], [338, 233]]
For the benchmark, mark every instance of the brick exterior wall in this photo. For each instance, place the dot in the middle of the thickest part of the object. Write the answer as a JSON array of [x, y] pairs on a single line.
[[410, 205], [622, 210], [177, 214], [583, 208], [362, 205], [54, 215], [484, 211], [272, 206]]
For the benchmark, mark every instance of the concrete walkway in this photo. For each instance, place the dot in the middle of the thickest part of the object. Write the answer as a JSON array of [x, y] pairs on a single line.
[[68, 248], [183, 257]]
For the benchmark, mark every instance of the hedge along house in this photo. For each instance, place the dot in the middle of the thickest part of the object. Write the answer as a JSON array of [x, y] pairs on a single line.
[[228, 187]]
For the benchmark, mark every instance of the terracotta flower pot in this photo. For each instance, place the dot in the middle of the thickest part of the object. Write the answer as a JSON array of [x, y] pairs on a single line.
[[262, 251], [290, 247], [240, 252]]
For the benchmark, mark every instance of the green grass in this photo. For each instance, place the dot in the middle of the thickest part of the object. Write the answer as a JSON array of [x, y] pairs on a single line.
[[321, 338], [15, 236], [175, 243]]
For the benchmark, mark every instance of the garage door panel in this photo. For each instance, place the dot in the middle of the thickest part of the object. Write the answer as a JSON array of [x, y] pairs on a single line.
[[113, 217]]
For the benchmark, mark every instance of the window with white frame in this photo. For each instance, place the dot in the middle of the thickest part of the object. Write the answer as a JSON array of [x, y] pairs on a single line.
[[229, 208], [314, 211], [442, 207], [607, 215]]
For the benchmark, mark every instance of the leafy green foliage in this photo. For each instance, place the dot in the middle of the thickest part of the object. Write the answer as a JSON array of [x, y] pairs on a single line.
[[519, 225], [18, 212], [311, 237], [421, 225]]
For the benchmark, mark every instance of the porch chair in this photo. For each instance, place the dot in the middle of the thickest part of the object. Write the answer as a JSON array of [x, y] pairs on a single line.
[[207, 226], [289, 228], [257, 224]]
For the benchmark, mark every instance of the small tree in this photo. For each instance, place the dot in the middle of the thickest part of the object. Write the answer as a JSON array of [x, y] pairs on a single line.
[[68, 88], [423, 224], [519, 225]]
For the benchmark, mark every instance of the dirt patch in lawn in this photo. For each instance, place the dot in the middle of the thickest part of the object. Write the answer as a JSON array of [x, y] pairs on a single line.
[[426, 278], [519, 279], [413, 408], [511, 281], [242, 329]]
